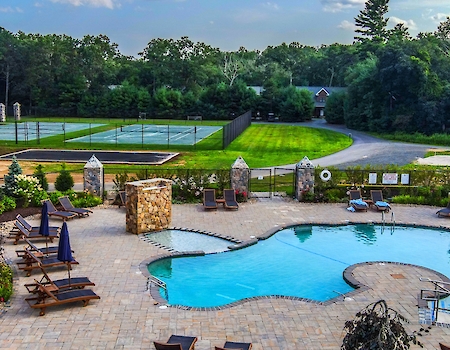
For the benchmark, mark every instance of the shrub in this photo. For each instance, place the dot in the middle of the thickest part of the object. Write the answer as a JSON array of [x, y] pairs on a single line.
[[64, 181], [10, 178], [6, 282], [7, 204], [40, 175], [120, 180], [85, 199], [29, 188]]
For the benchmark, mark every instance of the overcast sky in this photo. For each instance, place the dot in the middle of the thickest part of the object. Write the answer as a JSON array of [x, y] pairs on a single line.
[[226, 24]]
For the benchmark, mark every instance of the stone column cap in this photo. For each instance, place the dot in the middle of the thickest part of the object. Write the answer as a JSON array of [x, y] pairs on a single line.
[[93, 162], [239, 163], [305, 163]]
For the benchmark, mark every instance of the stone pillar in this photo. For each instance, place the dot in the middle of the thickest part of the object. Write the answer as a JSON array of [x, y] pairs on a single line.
[[240, 176], [2, 113], [149, 205], [93, 177], [16, 109], [304, 178]]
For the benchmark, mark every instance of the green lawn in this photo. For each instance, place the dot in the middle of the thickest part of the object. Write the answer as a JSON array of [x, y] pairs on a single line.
[[261, 145]]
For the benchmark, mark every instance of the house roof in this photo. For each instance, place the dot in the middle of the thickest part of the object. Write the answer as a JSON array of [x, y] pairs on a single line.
[[317, 89]]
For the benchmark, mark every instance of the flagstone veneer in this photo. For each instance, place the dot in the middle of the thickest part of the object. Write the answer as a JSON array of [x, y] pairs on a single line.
[[149, 205]]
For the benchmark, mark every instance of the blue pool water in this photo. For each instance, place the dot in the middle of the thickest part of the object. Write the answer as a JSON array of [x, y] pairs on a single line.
[[301, 261]]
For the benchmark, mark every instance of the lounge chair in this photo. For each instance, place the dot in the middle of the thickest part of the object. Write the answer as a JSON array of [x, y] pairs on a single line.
[[177, 342], [230, 199], [33, 260], [30, 228], [68, 206], [209, 198], [46, 297], [122, 198], [356, 202], [444, 347], [52, 211], [21, 232], [444, 211], [61, 284], [40, 250], [235, 346], [378, 202]]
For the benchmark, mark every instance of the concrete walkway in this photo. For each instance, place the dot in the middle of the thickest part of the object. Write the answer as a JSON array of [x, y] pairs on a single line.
[[126, 316]]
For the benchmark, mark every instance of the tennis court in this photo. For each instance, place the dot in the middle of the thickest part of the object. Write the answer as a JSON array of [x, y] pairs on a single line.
[[28, 131], [151, 134]]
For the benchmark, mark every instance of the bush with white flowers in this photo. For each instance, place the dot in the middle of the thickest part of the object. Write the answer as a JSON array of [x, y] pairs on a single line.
[[30, 189]]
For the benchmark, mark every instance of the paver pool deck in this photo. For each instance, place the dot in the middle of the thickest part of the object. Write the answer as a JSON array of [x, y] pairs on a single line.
[[126, 316]]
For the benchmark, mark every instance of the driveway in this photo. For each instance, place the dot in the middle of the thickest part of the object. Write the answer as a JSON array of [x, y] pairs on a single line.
[[366, 149]]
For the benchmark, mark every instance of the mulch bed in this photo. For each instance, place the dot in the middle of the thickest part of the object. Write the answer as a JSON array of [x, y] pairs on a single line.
[[11, 215]]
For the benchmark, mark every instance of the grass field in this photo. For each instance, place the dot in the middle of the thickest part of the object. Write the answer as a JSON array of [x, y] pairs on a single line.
[[261, 145]]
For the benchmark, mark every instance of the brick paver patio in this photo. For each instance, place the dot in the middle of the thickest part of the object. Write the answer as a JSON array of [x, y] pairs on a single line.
[[126, 316]]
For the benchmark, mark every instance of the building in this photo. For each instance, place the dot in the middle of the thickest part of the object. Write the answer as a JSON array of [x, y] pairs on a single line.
[[320, 95]]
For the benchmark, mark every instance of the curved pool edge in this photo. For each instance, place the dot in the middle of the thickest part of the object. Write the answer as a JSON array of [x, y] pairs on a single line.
[[347, 273]]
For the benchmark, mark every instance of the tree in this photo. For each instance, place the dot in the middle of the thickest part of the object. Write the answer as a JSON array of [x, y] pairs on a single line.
[[378, 327], [64, 181], [40, 175], [10, 179], [297, 105], [371, 21], [334, 109]]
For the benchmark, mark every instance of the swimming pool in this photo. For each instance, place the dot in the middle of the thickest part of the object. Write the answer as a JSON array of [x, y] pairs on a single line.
[[304, 261], [183, 241]]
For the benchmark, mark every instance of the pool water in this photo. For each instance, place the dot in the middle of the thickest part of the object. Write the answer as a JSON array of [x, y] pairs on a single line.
[[302, 261], [183, 241]]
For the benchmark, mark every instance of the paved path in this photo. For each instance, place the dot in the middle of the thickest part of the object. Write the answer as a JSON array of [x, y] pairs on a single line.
[[126, 317], [367, 150]]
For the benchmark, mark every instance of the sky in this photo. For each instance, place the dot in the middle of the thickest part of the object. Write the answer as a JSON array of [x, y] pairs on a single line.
[[227, 25]]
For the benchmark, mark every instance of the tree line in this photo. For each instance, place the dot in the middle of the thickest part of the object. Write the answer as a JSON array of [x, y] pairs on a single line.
[[394, 82]]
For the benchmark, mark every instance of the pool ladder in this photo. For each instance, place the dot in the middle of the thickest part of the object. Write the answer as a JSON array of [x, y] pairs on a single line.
[[383, 220], [441, 290], [157, 282]]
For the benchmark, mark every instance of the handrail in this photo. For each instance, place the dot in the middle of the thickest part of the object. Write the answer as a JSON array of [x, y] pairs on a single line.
[[435, 295], [158, 282]]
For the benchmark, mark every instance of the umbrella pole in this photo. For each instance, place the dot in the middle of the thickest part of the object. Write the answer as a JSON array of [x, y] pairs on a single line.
[[68, 270]]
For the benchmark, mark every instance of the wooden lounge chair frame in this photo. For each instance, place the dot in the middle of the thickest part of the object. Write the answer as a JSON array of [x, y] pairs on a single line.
[[377, 196], [30, 228], [235, 346], [230, 199], [22, 233], [177, 342], [40, 250], [61, 284], [209, 198], [122, 198], [354, 195], [32, 261], [49, 296], [68, 206], [52, 211]]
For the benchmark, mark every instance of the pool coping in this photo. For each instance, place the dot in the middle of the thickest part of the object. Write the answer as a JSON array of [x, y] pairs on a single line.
[[347, 274]]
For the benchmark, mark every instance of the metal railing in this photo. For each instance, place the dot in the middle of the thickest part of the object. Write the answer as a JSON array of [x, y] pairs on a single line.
[[441, 290]]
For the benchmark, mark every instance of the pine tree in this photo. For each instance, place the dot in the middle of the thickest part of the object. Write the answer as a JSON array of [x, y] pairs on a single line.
[[10, 178], [64, 181], [40, 175], [371, 21]]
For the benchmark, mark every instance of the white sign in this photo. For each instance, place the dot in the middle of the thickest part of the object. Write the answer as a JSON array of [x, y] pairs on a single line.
[[260, 177], [390, 178], [372, 178], [405, 179]]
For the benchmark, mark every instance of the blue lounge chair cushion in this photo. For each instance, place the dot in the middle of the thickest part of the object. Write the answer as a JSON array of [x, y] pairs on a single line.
[[382, 204], [358, 202]]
